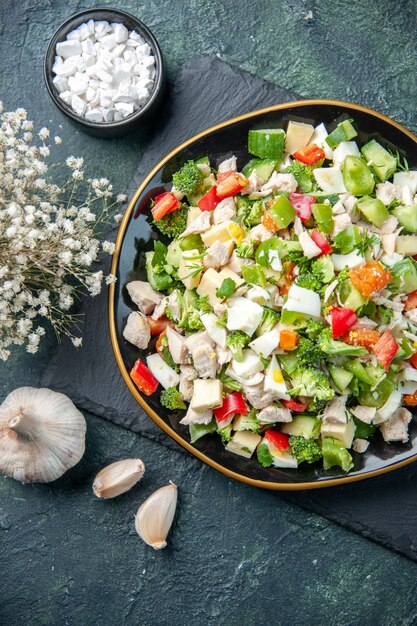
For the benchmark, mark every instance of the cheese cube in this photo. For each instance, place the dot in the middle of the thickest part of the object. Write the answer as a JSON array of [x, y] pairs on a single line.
[[193, 213], [209, 284], [227, 273], [187, 271], [343, 433], [298, 135], [243, 443], [220, 232], [207, 394]]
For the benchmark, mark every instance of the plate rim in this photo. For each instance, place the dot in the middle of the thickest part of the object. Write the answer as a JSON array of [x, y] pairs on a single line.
[[275, 486]]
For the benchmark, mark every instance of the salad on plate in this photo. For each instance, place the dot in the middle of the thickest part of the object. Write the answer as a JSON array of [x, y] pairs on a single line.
[[280, 314]]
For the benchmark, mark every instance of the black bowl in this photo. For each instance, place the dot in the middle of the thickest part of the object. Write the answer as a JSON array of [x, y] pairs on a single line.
[[139, 118], [137, 234]]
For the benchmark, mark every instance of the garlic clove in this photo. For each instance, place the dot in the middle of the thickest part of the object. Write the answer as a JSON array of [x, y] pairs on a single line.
[[155, 516], [118, 477], [42, 435]]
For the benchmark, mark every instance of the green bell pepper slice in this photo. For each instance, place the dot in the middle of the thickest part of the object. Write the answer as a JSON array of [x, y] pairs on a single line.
[[191, 242], [254, 275], [363, 431], [373, 209], [357, 176], [335, 455], [282, 212], [346, 241], [324, 217]]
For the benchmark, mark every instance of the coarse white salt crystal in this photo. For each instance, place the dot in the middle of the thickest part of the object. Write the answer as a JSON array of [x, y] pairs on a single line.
[[94, 115], [66, 96], [104, 71], [120, 32], [78, 104], [68, 48], [60, 83]]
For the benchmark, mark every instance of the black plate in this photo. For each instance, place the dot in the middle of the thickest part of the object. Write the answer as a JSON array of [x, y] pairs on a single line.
[[136, 236]]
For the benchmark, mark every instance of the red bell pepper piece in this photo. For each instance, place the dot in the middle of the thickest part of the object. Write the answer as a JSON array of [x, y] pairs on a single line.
[[158, 326], [164, 203], [302, 205], [209, 201], [410, 301], [413, 360], [229, 184], [385, 349], [279, 440], [342, 320], [297, 407], [321, 242], [143, 378], [309, 155], [232, 403]]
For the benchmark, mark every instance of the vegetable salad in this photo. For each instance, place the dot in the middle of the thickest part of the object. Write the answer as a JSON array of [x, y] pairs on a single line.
[[284, 299]]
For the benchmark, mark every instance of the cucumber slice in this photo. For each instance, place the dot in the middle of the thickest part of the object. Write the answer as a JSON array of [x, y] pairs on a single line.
[[343, 132], [267, 143], [262, 167], [303, 426], [340, 376], [383, 163], [407, 217], [200, 430]]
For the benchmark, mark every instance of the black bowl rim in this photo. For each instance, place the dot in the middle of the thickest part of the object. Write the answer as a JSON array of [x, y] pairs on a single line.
[[276, 486], [159, 69]]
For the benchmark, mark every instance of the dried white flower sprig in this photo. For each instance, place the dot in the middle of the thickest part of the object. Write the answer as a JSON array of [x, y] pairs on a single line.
[[49, 235]]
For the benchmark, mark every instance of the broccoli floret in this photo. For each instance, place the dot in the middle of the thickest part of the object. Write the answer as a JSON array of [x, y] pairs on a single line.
[[304, 175], [225, 434], [236, 341], [270, 317], [308, 352], [249, 422], [204, 305], [249, 213], [313, 328], [337, 348], [190, 320], [174, 223], [323, 269], [309, 281], [311, 382], [305, 450], [172, 399], [245, 249], [188, 179]]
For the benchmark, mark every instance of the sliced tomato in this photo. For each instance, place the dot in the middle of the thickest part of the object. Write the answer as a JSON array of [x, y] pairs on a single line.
[[410, 301], [279, 440], [297, 407], [321, 242], [309, 155], [370, 278], [410, 399], [302, 205], [164, 203], [413, 360], [143, 378], [364, 337], [385, 349], [229, 184], [342, 320], [209, 201], [269, 223], [158, 326]]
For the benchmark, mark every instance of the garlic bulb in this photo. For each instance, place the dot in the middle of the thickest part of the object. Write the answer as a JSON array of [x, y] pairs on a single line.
[[154, 517], [118, 478], [42, 435]]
